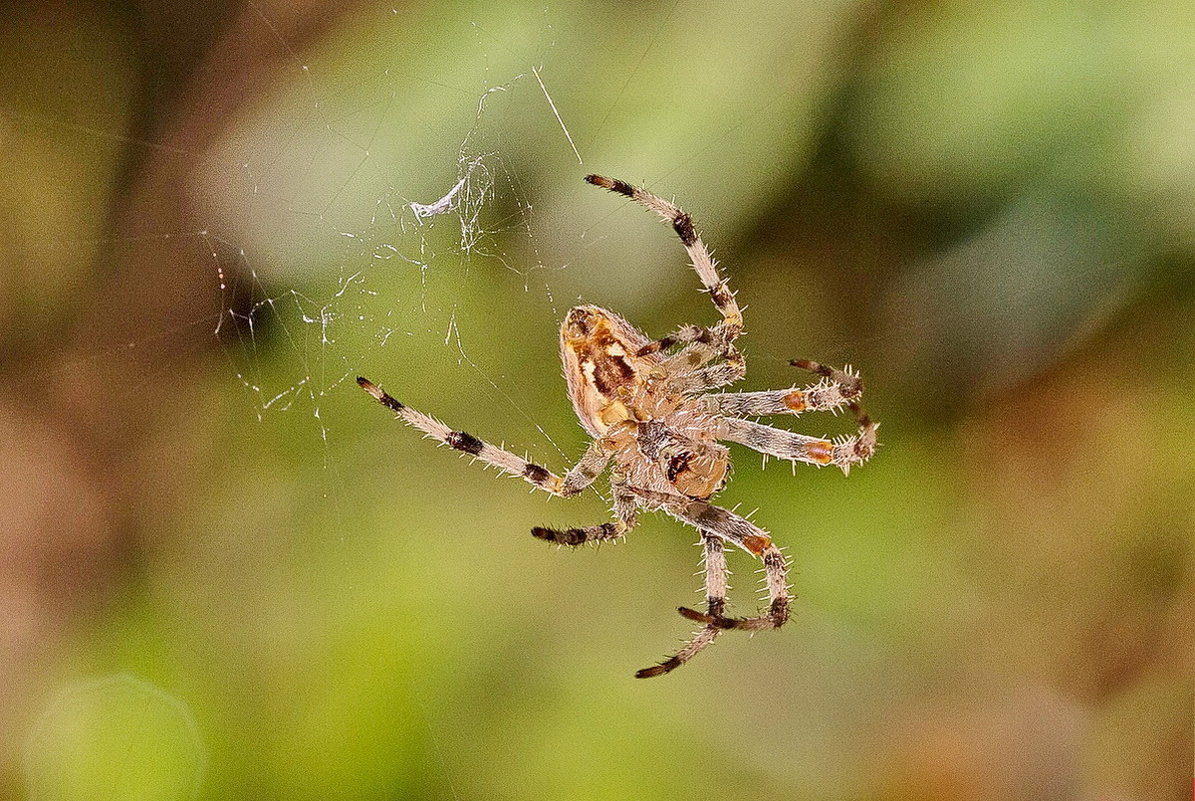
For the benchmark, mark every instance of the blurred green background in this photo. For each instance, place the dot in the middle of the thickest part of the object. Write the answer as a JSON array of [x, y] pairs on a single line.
[[225, 573]]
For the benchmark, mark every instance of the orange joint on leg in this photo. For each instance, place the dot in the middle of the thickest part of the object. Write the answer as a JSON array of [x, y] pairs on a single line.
[[795, 400], [755, 543], [821, 451]]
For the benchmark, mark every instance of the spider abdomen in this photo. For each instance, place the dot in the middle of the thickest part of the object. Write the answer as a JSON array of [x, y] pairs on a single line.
[[603, 367]]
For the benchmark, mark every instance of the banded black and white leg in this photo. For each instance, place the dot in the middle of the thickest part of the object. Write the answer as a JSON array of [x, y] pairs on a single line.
[[578, 478], [714, 562], [742, 532], [625, 520], [689, 369], [775, 568], [731, 325], [729, 527], [698, 334]]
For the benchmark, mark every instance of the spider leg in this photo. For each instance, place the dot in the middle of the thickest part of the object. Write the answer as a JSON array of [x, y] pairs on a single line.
[[624, 510], [704, 516], [580, 536], [681, 336], [836, 389], [706, 344], [711, 377], [578, 478], [776, 578], [739, 530], [716, 523], [715, 599], [687, 372], [844, 452], [703, 263]]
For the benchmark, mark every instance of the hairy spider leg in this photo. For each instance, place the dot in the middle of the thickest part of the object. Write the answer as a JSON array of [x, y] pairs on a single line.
[[578, 478], [734, 528], [713, 376], [850, 385], [717, 340], [728, 526], [624, 511], [845, 452], [776, 579], [714, 563], [704, 516], [836, 389]]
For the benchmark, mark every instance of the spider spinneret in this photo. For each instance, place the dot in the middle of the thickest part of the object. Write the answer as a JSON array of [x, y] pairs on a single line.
[[659, 428]]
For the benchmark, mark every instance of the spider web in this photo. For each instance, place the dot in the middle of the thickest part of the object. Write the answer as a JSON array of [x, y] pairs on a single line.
[[395, 244]]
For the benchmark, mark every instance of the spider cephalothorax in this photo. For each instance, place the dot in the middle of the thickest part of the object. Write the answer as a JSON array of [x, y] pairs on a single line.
[[658, 427]]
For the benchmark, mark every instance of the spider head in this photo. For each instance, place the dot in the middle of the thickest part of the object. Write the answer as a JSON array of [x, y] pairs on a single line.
[[598, 350]]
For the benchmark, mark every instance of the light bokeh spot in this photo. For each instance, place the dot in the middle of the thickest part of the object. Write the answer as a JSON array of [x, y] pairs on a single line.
[[114, 737]]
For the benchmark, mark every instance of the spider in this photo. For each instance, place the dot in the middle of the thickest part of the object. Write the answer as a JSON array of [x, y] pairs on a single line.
[[646, 405]]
